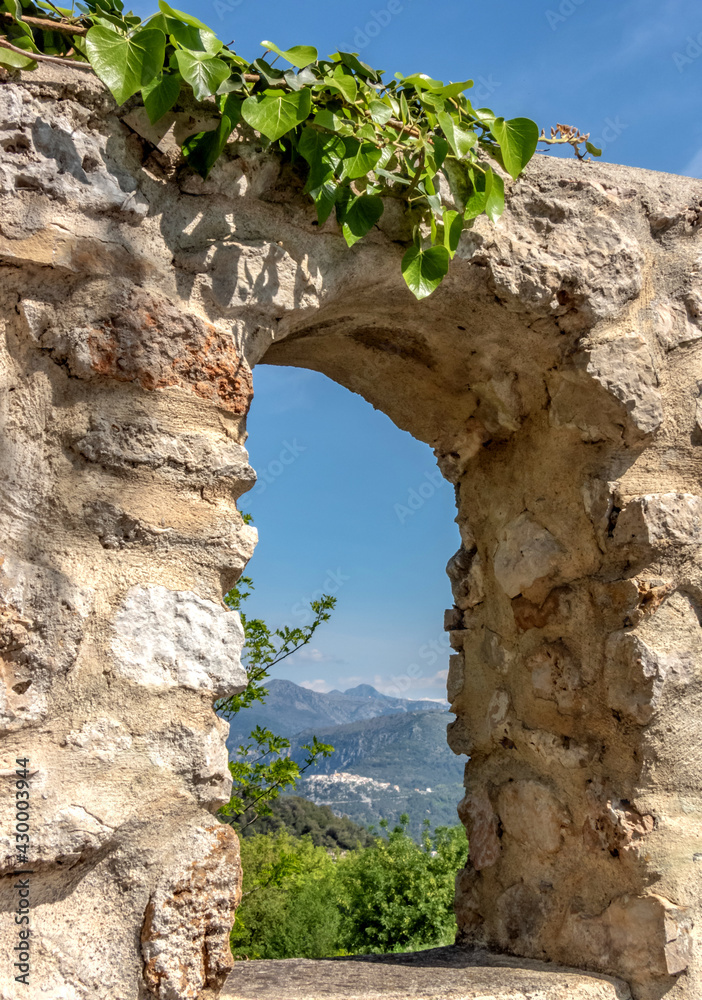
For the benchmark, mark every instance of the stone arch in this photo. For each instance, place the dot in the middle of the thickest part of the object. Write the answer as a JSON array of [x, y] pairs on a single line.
[[555, 375]]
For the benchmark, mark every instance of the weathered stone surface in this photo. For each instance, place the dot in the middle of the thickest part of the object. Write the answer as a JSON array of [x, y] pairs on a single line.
[[532, 816], [556, 376], [438, 974], [185, 936], [624, 367], [526, 552], [482, 825]]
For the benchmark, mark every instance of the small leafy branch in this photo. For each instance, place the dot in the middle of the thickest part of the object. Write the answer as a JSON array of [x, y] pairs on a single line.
[[362, 139], [262, 768]]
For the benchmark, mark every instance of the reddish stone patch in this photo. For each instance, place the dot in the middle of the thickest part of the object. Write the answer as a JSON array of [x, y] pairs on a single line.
[[149, 341], [528, 615]]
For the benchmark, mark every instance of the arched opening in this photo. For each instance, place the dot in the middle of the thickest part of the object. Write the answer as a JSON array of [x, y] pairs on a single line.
[[348, 505]]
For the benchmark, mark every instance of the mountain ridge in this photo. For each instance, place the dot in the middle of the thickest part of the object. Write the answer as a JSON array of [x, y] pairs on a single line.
[[290, 709]]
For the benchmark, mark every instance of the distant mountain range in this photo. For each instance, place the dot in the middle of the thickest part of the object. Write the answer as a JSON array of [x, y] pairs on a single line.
[[289, 709], [391, 754]]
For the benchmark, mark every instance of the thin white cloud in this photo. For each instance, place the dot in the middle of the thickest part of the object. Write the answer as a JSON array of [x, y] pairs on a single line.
[[404, 686], [310, 654], [318, 686]]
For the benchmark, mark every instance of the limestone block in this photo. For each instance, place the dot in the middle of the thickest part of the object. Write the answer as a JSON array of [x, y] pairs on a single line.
[[644, 934], [167, 639], [496, 654], [527, 552], [480, 820], [636, 675], [532, 816], [132, 444], [656, 663], [614, 826], [659, 522], [201, 758], [141, 337], [521, 912], [625, 368], [465, 572], [42, 617], [555, 676]]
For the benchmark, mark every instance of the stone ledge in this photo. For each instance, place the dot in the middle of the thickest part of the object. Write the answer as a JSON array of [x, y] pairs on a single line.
[[439, 974]]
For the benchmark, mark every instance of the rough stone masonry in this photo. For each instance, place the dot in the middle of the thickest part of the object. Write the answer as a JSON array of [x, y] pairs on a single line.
[[557, 374]]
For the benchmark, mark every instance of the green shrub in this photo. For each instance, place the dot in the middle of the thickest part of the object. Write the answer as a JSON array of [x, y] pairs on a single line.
[[303, 901], [398, 895], [289, 908]]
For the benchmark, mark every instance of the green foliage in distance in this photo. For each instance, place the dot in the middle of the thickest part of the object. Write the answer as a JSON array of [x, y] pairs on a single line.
[[363, 139], [394, 895], [262, 767], [301, 817]]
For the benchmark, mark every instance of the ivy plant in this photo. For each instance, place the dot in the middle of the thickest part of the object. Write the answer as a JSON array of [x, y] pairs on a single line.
[[360, 137]]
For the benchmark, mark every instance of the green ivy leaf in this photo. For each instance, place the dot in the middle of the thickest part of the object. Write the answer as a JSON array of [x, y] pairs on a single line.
[[343, 83], [204, 149], [299, 55], [360, 159], [14, 60], [459, 176], [273, 116], [160, 95], [125, 64], [592, 149], [424, 270], [483, 191], [441, 149], [420, 81], [360, 217], [323, 153], [495, 201], [379, 112], [363, 69], [452, 90], [453, 227], [325, 197], [204, 73], [518, 138], [192, 38], [328, 120], [368, 133], [181, 15], [461, 140]]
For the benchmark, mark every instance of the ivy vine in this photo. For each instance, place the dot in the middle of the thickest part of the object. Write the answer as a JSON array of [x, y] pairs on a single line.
[[363, 139]]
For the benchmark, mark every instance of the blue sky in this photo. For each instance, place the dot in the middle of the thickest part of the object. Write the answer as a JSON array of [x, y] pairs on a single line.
[[334, 471]]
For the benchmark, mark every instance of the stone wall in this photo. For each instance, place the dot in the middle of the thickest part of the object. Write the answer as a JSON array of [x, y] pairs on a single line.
[[556, 374]]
